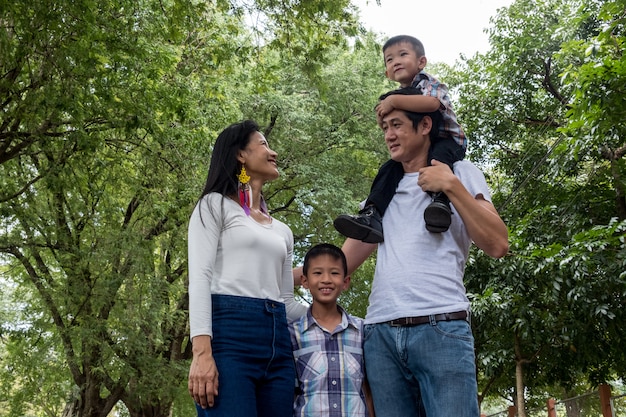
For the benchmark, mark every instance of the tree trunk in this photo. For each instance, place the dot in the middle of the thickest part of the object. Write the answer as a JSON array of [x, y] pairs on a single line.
[[159, 410], [75, 408], [620, 193], [88, 403], [519, 379], [72, 408]]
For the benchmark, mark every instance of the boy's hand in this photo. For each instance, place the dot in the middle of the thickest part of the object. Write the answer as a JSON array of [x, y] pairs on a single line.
[[384, 107]]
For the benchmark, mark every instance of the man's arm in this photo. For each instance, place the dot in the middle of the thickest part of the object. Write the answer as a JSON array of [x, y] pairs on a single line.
[[483, 224], [369, 402], [481, 219], [357, 252], [297, 276]]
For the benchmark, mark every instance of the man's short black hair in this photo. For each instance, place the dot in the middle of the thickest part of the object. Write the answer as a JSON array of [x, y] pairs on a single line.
[[416, 117]]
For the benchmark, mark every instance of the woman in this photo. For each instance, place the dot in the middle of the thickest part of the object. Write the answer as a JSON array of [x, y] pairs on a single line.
[[240, 285]]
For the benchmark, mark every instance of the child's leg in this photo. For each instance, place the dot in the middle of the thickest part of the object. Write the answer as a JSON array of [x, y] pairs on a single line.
[[367, 225], [384, 185], [438, 214], [446, 150]]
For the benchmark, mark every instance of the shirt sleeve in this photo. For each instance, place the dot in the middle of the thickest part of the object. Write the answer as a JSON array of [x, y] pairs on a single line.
[[294, 309], [473, 179], [204, 232], [432, 87]]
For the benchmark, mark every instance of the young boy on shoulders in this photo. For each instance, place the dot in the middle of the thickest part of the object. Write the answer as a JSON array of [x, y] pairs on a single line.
[[405, 60], [328, 344]]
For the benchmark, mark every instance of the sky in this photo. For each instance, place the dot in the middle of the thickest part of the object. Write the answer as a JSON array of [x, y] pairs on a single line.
[[449, 28]]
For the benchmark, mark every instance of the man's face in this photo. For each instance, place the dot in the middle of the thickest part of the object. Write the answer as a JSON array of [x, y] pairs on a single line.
[[405, 144]]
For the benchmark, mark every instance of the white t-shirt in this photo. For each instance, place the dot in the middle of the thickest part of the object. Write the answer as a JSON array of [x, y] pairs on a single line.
[[230, 253], [419, 273]]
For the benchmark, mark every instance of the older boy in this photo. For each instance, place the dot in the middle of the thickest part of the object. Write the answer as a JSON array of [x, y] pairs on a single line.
[[327, 343], [404, 62]]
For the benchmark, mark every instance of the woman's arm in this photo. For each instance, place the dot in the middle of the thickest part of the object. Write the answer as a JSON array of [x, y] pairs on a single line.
[[203, 237], [204, 231], [295, 310]]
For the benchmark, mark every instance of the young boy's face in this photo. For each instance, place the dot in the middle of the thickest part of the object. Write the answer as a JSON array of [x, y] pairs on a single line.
[[325, 279], [402, 63]]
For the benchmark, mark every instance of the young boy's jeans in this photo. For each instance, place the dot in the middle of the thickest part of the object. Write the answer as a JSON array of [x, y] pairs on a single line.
[[425, 367], [252, 351]]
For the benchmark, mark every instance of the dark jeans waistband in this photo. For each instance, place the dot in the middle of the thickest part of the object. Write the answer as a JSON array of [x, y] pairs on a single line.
[[247, 303]]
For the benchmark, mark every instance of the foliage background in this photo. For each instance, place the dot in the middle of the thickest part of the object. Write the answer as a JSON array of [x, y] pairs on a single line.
[[109, 110]]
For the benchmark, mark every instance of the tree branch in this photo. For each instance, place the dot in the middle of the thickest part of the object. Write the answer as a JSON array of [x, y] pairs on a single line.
[[38, 282], [547, 82]]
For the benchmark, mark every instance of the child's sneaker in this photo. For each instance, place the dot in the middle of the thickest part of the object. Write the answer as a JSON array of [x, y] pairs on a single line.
[[366, 226], [438, 214]]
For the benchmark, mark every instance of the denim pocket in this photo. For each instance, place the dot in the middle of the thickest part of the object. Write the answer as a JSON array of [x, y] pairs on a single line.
[[367, 331], [456, 329]]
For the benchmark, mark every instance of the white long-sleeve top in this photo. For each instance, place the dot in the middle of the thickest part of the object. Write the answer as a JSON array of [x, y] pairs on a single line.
[[230, 253]]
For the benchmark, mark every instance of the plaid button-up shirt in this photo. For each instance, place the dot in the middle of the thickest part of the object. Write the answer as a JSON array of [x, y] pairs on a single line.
[[329, 368], [431, 86]]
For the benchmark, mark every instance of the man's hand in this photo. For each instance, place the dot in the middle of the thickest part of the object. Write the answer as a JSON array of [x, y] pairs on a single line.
[[436, 178]]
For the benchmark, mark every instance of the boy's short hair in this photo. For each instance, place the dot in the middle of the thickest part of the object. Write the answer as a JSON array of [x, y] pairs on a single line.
[[325, 249], [417, 45]]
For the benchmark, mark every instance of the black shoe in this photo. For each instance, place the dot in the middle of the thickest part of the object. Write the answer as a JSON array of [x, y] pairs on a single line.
[[367, 226], [438, 214]]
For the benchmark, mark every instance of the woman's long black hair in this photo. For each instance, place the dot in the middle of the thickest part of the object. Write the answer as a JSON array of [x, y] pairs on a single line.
[[224, 166]]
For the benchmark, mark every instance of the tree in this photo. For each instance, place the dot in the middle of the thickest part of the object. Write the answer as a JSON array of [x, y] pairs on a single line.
[[108, 112], [562, 285]]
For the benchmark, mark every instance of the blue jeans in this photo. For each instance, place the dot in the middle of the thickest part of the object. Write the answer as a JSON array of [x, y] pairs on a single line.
[[252, 351], [423, 370]]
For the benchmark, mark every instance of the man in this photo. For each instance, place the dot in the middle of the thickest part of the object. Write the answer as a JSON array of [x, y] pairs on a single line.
[[419, 348]]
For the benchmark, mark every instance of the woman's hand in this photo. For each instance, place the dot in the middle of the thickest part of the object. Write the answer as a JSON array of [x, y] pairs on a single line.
[[203, 375]]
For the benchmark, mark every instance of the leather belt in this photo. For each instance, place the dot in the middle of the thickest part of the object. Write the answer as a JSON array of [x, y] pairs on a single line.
[[414, 321]]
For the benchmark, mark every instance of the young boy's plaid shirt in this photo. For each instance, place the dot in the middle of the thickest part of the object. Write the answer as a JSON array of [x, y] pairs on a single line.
[[329, 368]]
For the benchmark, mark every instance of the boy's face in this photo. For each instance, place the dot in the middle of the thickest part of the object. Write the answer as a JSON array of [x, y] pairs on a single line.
[[325, 279], [402, 63]]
